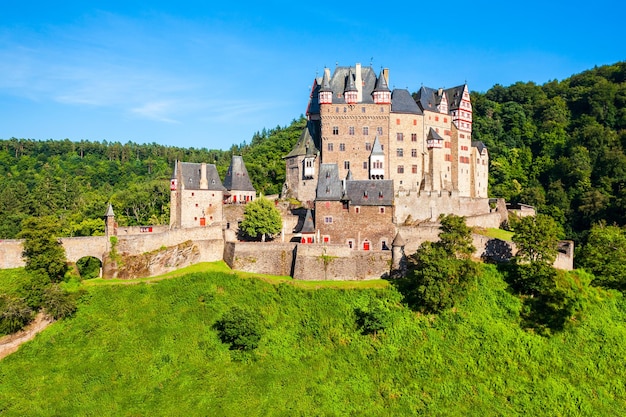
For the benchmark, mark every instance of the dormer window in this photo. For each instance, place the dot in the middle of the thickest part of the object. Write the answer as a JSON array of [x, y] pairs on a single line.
[[380, 195], [365, 194]]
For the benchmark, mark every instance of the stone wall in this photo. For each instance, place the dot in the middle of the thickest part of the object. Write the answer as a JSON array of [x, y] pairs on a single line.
[[263, 258], [11, 254], [78, 247], [338, 262], [429, 205]]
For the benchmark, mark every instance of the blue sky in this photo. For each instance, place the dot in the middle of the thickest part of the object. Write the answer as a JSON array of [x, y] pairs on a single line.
[[197, 74]]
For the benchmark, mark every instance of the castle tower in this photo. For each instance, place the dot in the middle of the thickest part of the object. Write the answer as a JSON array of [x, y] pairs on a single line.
[[377, 161], [398, 257], [382, 93], [237, 182], [109, 222]]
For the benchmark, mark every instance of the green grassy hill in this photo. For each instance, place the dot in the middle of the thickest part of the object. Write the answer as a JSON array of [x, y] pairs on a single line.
[[151, 349]]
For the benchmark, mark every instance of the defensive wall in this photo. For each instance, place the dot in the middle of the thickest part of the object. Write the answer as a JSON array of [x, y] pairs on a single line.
[[11, 254], [311, 262], [428, 205]]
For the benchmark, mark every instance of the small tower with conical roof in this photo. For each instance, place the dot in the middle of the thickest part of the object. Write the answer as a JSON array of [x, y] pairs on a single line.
[[350, 93], [109, 222], [398, 258], [326, 93], [237, 182], [382, 93], [308, 229]]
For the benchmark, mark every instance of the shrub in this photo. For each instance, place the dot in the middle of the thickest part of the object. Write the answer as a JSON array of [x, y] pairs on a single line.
[[373, 318], [58, 303], [14, 314], [241, 328]]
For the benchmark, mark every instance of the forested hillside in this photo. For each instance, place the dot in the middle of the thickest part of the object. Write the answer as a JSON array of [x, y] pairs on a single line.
[[74, 181], [559, 146]]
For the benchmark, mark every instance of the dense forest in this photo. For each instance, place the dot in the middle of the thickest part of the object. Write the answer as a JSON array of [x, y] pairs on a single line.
[[558, 146], [74, 181]]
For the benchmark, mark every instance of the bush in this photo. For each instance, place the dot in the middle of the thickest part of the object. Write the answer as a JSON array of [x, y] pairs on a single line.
[[14, 314], [58, 303], [241, 328], [373, 318]]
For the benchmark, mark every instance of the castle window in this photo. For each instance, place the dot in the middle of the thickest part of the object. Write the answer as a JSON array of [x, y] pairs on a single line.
[[436, 118], [445, 120], [368, 146], [399, 152], [397, 121], [196, 204], [447, 145], [357, 210], [337, 108], [342, 147], [328, 219], [414, 122], [400, 136], [448, 157], [351, 130], [379, 131], [366, 130], [381, 210], [380, 195], [345, 205], [346, 164], [414, 169], [345, 109], [335, 130], [414, 153], [413, 137], [330, 146], [365, 194], [400, 169], [192, 194], [362, 109], [365, 165], [351, 243], [326, 239]]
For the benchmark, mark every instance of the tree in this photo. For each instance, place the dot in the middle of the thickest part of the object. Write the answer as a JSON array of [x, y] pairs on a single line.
[[261, 218], [441, 273], [536, 238], [604, 255], [240, 328], [14, 314], [43, 252], [373, 318]]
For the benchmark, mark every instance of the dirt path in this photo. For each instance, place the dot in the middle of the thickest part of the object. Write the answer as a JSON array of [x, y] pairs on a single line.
[[10, 343]]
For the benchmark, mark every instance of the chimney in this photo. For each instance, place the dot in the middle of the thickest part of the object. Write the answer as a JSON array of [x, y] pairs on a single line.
[[204, 182], [359, 83], [386, 75], [327, 73]]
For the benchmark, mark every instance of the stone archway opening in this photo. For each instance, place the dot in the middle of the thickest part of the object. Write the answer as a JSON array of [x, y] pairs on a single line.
[[89, 267]]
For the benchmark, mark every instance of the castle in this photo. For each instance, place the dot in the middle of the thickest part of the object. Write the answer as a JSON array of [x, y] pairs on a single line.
[[371, 158]]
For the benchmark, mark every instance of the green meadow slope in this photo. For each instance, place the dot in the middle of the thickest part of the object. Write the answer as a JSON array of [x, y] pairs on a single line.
[[151, 349]]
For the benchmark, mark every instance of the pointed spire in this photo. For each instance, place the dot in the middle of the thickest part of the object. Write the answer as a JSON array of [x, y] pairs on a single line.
[[381, 83], [326, 81], [350, 85], [349, 176], [109, 212], [398, 241], [308, 226], [377, 148]]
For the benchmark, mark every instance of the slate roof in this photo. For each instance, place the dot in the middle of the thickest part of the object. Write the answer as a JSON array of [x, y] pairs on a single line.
[[237, 177], [307, 143], [190, 176], [308, 226], [381, 83], [398, 241], [377, 148], [329, 185], [109, 212], [427, 99], [369, 192], [432, 134], [455, 94], [403, 102], [479, 145]]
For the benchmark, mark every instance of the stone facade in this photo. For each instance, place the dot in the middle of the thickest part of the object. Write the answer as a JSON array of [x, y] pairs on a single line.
[[360, 130]]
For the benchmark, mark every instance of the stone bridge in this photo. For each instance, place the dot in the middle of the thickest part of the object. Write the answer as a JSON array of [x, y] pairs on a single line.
[[75, 248]]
